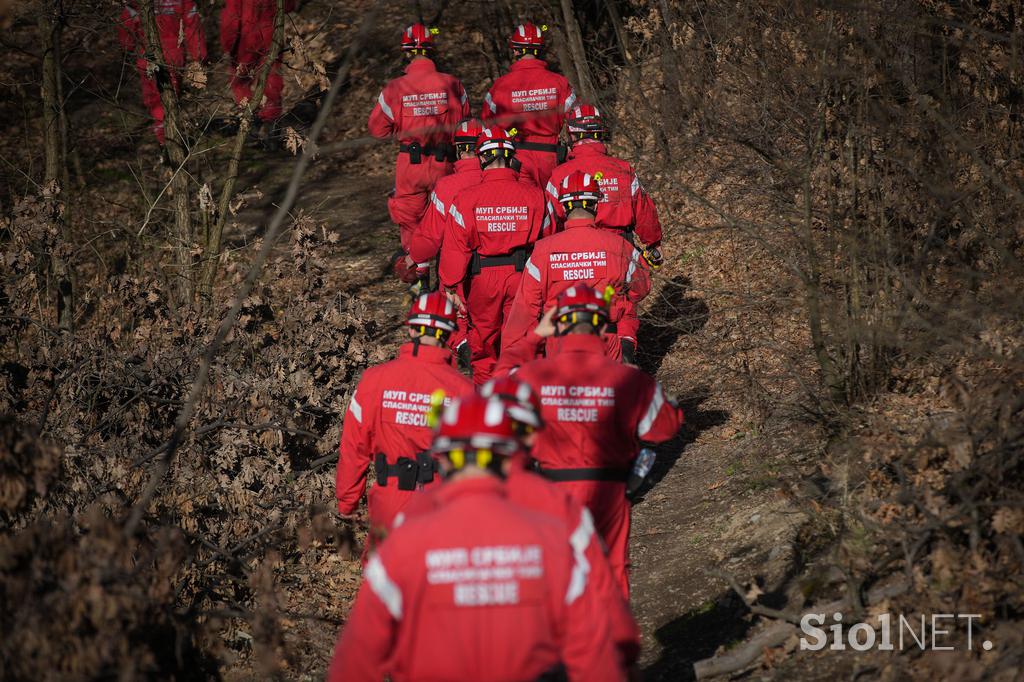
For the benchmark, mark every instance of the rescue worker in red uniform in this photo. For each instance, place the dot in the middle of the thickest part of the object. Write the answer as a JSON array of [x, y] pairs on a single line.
[[596, 414], [491, 227], [625, 205], [386, 421], [181, 36], [246, 32], [419, 110], [534, 101], [479, 588], [581, 253]]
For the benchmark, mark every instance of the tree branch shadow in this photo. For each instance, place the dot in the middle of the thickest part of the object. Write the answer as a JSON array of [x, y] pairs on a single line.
[[661, 325]]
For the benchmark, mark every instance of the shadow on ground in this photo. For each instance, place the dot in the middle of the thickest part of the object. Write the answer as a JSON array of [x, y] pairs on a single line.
[[674, 314]]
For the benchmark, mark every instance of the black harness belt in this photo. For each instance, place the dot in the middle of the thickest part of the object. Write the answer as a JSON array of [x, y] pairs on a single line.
[[410, 472], [517, 258], [416, 152], [585, 474], [537, 147]]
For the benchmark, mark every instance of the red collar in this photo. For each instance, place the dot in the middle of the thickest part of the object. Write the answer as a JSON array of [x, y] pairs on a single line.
[[585, 148], [464, 165], [420, 65], [580, 222], [490, 174], [581, 343], [477, 485], [521, 64], [435, 354]]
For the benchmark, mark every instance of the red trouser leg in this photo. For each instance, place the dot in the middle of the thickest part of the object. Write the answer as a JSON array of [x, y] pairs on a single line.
[[151, 100], [537, 166], [611, 510], [413, 184], [489, 300]]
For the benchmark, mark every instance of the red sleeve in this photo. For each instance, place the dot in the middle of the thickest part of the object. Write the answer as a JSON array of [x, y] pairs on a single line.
[[638, 276], [457, 249], [370, 630], [660, 418], [645, 216], [382, 118], [527, 306], [230, 20], [519, 353], [624, 630], [356, 449], [195, 37], [463, 99], [426, 240], [586, 643], [127, 29]]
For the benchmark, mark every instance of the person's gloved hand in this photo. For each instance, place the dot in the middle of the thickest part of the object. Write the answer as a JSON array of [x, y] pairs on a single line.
[[652, 254]]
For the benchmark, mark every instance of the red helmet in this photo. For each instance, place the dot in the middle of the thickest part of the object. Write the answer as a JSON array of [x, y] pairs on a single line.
[[522, 403], [580, 187], [433, 311], [492, 142], [581, 298], [418, 37], [472, 424], [527, 37], [585, 119], [467, 132]]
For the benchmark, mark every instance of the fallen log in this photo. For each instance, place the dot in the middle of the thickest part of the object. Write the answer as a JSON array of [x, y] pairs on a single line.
[[745, 654]]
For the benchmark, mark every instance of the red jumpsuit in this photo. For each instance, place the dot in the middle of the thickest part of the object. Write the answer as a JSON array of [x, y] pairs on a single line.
[[388, 415], [246, 31], [534, 492], [481, 589], [596, 412], [625, 204], [497, 219], [533, 100], [421, 107], [174, 18], [582, 252]]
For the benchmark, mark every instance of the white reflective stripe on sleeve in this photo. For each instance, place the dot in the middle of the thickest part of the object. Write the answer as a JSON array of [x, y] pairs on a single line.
[[399, 520], [438, 204], [385, 108], [356, 409], [579, 540], [631, 270], [381, 584], [454, 212], [490, 103], [552, 190], [644, 427], [584, 532], [532, 269], [569, 101], [634, 186], [464, 98], [547, 218]]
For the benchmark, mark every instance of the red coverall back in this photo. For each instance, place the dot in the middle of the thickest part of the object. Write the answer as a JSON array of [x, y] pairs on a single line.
[[174, 18], [625, 204], [388, 414], [533, 100], [596, 412], [494, 218], [421, 107], [525, 488], [581, 253], [426, 241], [481, 589], [246, 31]]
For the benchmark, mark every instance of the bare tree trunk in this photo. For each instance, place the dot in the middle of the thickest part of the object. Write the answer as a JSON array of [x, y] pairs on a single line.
[[214, 238], [55, 172], [176, 152], [579, 55]]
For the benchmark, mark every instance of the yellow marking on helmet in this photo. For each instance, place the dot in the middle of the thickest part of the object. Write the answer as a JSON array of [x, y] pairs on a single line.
[[609, 291], [457, 457], [436, 405], [484, 457]]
